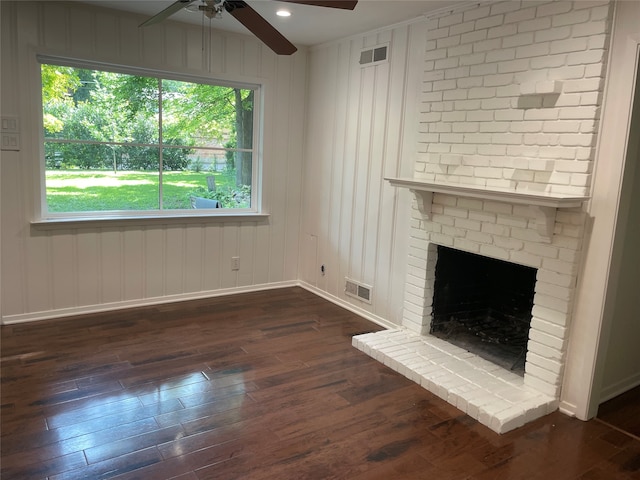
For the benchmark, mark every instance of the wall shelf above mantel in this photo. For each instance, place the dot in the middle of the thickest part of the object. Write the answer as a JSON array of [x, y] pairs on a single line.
[[543, 205]]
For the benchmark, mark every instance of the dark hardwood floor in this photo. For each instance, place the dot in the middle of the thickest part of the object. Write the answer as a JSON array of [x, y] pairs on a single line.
[[256, 386], [623, 412]]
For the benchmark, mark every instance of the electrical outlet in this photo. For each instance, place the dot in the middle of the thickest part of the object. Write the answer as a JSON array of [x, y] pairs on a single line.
[[235, 263]]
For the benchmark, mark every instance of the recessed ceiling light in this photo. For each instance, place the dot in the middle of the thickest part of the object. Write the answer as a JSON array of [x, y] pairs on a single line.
[[283, 13]]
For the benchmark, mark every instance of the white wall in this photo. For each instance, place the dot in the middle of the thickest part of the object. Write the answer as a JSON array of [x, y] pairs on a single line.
[[60, 271], [360, 128], [595, 304], [622, 364]]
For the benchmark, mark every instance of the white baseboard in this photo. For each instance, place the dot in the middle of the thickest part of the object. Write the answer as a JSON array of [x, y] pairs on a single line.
[[348, 306], [144, 302], [618, 388]]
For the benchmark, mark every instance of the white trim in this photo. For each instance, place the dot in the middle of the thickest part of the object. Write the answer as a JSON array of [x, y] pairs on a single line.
[[170, 218], [348, 306], [620, 387], [591, 317], [63, 60], [520, 197], [42, 216], [145, 302]]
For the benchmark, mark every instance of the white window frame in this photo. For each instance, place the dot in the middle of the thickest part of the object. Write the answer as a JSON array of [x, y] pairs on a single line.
[[44, 218]]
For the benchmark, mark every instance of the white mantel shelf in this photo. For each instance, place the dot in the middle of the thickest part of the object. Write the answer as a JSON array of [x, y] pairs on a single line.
[[543, 205]]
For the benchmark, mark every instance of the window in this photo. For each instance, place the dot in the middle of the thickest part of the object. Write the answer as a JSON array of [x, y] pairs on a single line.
[[117, 142]]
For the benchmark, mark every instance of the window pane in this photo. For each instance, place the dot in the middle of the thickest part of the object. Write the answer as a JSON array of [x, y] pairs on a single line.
[[94, 105], [206, 115], [209, 179], [82, 178]]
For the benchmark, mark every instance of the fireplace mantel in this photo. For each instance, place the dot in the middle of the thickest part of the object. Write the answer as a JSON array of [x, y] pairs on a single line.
[[543, 205]]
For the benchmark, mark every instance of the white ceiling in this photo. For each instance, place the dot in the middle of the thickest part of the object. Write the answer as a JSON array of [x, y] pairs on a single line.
[[308, 25]]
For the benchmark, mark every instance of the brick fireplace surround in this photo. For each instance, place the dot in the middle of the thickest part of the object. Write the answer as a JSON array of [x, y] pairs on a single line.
[[510, 104]]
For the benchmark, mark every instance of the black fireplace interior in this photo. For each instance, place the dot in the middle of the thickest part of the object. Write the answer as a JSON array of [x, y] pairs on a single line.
[[483, 305]]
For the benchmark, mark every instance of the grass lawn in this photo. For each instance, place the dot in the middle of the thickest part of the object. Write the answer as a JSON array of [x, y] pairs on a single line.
[[99, 190]]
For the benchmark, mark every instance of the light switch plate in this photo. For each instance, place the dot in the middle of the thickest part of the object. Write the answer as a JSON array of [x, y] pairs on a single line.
[[10, 141], [10, 124]]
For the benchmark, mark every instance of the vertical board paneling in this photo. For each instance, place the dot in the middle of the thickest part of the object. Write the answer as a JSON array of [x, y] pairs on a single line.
[[54, 26], [374, 190], [194, 53], [362, 180], [349, 161], [106, 34], [92, 266], [229, 248], [111, 266], [215, 52], [38, 272], [320, 146], [194, 255], [337, 70], [130, 37], [309, 273], [84, 23], [250, 59], [261, 249], [246, 252], [13, 251], [275, 173], [89, 273], [174, 260], [233, 56], [134, 258], [386, 293], [366, 136], [153, 44], [154, 262], [175, 46], [63, 263], [365, 110], [212, 257], [293, 168]]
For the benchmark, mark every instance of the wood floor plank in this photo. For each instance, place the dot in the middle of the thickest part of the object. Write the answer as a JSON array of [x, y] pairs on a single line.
[[623, 411], [256, 386]]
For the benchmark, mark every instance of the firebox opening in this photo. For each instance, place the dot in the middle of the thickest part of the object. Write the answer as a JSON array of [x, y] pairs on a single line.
[[483, 305]]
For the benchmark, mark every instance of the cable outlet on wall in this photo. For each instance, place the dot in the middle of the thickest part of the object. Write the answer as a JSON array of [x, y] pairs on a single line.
[[235, 263]]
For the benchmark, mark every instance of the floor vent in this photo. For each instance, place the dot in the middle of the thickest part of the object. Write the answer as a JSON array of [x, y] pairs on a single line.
[[374, 56], [357, 290]]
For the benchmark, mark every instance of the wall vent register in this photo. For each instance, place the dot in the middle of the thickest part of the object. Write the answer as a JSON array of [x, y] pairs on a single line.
[[374, 55], [357, 290]]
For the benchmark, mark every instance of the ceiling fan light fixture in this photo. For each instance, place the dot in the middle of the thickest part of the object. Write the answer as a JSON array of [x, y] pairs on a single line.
[[283, 13]]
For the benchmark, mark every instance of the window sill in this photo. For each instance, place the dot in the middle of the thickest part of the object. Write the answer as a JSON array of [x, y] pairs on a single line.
[[52, 223]]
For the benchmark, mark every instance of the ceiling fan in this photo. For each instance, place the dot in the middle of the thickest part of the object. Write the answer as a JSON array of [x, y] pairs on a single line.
[[248, 17]]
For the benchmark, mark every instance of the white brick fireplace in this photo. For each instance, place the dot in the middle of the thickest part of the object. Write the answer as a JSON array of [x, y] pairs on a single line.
[[509, 115]]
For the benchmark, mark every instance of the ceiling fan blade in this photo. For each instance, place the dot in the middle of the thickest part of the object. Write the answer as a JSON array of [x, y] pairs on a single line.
[[344, 4], [257, 25], [167, 12]]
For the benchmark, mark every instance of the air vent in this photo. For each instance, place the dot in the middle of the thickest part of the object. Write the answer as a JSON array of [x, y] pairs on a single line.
[[374, 55], [357, 290]]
